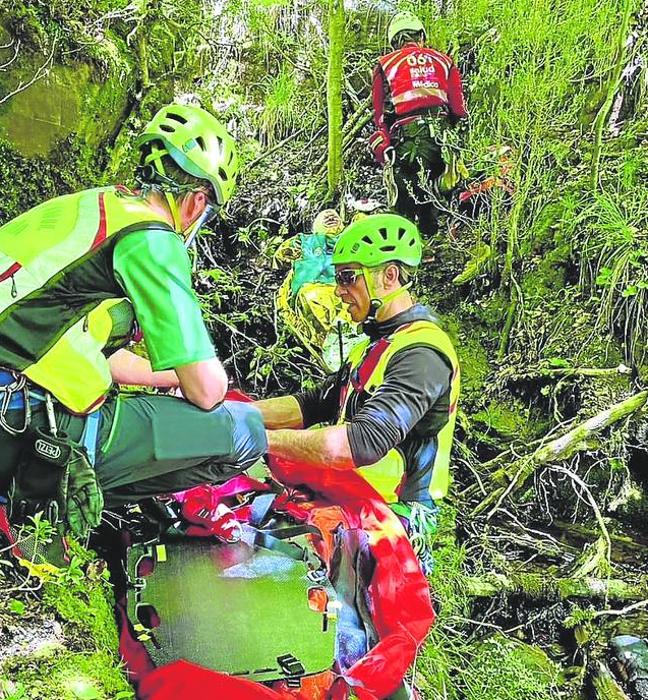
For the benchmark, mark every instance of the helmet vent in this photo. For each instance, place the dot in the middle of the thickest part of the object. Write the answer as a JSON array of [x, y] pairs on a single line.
[[176, 117], [383, 233], [167, 127], [222, 174], [388, 248], [401, 233], [367, 240], [201, 142]]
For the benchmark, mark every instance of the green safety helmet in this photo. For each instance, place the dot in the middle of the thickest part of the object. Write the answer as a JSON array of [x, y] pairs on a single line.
[[197, 142], [378, 239], [404, 22], [328, 221]]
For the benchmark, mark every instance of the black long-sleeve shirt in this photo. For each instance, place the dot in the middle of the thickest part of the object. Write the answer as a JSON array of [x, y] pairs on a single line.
[[406, 411]]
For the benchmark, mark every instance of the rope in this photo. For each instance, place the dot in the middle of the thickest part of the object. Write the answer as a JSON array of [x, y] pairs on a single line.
[[390, 184]]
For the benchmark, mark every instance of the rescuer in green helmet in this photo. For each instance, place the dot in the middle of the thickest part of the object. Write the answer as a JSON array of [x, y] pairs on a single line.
[[391, 408], [80, 276]]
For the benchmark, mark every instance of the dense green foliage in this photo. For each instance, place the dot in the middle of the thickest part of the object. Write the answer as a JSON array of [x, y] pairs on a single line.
[[545, 281]]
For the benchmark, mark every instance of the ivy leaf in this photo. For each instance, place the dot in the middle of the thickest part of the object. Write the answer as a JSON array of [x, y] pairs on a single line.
[[630, 291]]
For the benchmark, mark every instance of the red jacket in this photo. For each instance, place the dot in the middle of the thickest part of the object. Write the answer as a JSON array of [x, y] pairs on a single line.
[[412, 80]]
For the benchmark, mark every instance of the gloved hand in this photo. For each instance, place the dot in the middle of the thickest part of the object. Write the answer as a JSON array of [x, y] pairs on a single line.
[[379, 143], [79, 494]]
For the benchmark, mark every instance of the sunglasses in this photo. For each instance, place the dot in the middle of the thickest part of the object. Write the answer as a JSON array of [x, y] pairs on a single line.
[[345, 278]]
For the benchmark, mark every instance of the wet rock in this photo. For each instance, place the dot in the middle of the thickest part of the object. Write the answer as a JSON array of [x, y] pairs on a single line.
[[30, 637]]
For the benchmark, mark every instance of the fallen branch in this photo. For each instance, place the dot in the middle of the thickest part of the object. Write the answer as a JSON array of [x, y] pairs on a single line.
[[352, 127], [622, 611], [274, 149], [543, 587], [605, 685], [575, 372], [581, 533], [515, 475]]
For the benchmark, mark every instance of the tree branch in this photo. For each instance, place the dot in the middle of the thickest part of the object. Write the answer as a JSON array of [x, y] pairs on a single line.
[[513, 476], [42, 71]]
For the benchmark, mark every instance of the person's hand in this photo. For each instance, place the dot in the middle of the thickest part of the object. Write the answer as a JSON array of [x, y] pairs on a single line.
[[79, 495], [379, 143]]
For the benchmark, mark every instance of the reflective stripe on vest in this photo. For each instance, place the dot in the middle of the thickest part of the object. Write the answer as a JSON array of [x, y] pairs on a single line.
[[35, 250], [417, 78], [387, 474]]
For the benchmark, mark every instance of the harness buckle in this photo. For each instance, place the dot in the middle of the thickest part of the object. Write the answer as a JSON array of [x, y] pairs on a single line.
[[290, 665]]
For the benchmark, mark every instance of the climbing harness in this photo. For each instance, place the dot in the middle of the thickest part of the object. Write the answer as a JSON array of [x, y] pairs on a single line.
[[15, 393]]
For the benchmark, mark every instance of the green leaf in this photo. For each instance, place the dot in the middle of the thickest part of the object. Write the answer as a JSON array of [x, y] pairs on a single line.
[[558, 362], [604, 276], [215, 273], [86, 692], [630, 291], [17, 607]]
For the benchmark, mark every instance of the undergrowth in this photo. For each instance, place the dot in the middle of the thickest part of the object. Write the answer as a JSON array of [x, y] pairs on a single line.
[[486, 663]]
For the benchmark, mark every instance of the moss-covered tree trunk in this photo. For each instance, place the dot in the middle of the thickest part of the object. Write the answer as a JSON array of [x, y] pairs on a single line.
[[334, 94]]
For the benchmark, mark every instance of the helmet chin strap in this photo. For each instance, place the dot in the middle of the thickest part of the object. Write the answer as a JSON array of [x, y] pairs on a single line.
[[173, 205], [193, 230], [376, 302], [175, 212]]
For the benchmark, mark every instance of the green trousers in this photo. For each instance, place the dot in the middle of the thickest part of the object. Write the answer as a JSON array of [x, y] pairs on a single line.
[[150, 444]]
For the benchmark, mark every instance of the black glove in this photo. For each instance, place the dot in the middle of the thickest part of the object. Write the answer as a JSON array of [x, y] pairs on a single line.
[[79, 495]]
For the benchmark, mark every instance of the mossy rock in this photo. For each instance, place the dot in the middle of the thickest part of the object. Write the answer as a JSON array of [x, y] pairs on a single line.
[[66, 676], [473, 357], [29, 181], [68, 99], [506, 421], [87, 608], [80, 661], [547, 279]]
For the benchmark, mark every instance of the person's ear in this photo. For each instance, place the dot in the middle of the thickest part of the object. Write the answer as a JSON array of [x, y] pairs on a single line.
[[199, 201], [392, 275], [195, 204]]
